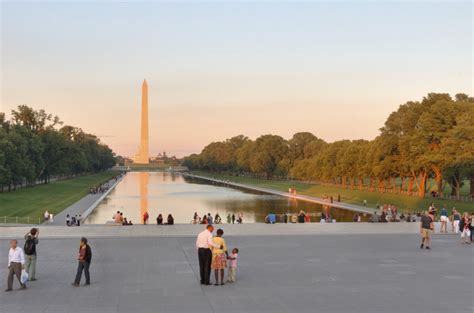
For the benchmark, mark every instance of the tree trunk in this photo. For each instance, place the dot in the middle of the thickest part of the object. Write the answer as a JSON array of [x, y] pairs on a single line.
[[352, 183], [421, 192], [439, 179], [361, 183], [410, 186]]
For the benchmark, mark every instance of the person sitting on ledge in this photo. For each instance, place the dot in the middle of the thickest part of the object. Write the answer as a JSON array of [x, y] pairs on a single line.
[[170, 219], [159, 219]]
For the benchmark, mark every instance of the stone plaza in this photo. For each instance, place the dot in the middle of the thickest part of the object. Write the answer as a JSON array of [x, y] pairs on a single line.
[[331, 268]]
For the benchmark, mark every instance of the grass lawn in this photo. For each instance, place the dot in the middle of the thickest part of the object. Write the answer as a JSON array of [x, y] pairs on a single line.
[[402, 202], [54, 197]]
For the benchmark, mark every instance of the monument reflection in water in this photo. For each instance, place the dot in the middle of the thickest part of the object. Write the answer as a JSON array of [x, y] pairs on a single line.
[[165, 193]]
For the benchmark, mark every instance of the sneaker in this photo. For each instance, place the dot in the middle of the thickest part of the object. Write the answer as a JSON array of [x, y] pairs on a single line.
[[23, 286], [9, 289], [428, 248], [421, 247], [32, 279], [87, 284], [75, 285]]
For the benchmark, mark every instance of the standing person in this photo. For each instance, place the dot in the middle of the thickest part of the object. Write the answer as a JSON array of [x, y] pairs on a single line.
[[426, 226], [31, 240], [232, 265], [79, 218], [16, 262], [471, 228], [145, 218], [219, 257], [84, 258], [68, 220], [443, 217], [233, 218], [229, 218], [46, 215], [209, 219], [456, 220], [466, 225], [204, 243]]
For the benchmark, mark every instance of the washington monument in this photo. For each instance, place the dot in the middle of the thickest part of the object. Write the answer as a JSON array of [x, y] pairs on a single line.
[[142, 156]]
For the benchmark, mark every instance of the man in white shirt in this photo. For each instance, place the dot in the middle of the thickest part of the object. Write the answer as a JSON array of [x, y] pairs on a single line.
[[203, 245], [16, 262]]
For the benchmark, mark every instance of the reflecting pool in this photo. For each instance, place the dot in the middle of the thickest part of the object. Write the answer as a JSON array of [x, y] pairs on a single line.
[[172, 193]]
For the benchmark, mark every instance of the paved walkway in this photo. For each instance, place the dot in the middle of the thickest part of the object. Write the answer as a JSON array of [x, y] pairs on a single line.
[[340, 205], [382, 273], [84, 206]]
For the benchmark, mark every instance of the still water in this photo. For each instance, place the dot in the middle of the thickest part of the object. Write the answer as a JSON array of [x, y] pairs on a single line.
[[165, 193]]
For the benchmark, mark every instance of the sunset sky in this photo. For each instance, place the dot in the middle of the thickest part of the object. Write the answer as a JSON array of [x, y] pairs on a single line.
[[217, 70]]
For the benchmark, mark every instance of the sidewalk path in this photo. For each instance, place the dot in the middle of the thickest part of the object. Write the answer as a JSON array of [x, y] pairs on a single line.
[[84, 206], [340, 205]]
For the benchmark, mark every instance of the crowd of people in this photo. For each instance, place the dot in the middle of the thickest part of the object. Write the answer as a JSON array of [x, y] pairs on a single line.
[[22, 261], [103, 187]]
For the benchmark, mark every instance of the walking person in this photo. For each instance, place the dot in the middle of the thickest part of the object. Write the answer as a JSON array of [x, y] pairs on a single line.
[[31, 240], [16, 262], [426, 226], [204, 243], [84, 258]]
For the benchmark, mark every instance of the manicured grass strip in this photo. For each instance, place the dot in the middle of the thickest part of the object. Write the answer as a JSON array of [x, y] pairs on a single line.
[[53, 197], [402, 202]]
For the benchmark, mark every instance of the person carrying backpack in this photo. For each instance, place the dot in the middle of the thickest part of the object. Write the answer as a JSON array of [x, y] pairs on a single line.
[[31, 240]]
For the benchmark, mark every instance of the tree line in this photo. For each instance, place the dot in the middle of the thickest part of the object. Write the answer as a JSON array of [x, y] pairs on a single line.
[[34, 146], [428, 139]]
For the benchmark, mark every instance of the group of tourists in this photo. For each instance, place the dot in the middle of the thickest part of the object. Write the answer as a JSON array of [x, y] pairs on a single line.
[[460, 224], [22, 261], [73, 220], [208, 219], [214, 255]]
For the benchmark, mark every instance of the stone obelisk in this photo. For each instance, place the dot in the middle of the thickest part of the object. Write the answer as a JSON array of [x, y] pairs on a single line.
[[142, 156]]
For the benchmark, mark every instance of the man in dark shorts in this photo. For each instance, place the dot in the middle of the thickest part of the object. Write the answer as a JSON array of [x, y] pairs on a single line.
[[426, 226]]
